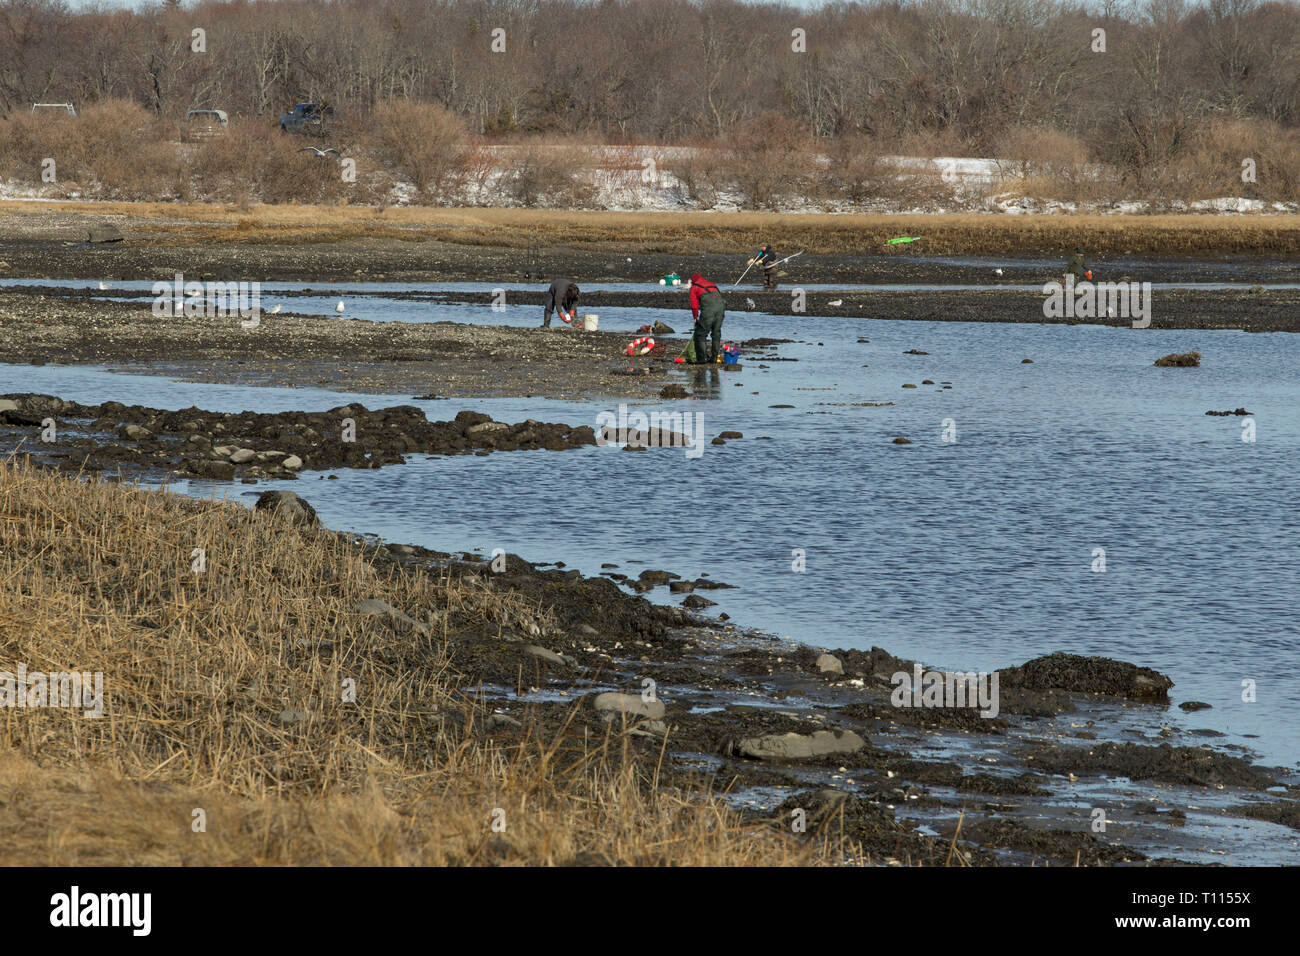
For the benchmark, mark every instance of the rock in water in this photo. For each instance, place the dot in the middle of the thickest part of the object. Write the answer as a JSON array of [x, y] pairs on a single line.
[[289, 504], [1088, 675]]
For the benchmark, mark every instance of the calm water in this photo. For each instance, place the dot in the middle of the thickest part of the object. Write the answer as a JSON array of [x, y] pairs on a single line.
[[974, 553]]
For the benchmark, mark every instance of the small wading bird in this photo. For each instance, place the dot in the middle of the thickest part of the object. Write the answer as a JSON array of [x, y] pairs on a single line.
[[320, 152]]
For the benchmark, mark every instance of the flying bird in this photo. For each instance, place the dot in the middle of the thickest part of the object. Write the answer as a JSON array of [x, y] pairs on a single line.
[[321, 152]]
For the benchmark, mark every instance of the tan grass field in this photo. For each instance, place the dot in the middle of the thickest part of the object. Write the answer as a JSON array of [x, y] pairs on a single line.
[[199, 669], [694, 232]]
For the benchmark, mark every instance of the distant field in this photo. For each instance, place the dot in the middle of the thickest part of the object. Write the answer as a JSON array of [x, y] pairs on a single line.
[[671, 232]]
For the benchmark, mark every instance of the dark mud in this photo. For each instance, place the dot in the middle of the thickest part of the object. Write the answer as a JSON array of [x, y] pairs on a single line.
[[420, 260], [50, 247]]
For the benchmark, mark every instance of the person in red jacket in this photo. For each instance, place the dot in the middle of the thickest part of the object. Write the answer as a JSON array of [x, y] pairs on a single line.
[[708, 309]]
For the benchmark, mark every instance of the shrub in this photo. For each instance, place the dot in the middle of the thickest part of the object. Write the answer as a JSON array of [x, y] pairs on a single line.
[[424, 143], [771, 158], [553, 175], [855, 171], [701, 171], [114, 149]]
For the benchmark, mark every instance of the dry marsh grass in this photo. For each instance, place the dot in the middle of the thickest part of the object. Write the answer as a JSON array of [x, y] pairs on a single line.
[[689, 233], [200, 667]]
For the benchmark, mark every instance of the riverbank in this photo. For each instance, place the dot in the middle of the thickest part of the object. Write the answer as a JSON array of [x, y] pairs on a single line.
[[231, 642]]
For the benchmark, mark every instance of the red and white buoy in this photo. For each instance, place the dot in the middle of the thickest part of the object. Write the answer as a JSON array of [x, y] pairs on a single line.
[[640, 346]]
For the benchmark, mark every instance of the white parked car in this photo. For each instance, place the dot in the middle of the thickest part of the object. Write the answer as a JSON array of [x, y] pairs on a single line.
[[56, 109]]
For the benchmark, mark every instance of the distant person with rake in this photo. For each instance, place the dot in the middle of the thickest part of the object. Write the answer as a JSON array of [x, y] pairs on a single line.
[[561, 297], [767, 259]]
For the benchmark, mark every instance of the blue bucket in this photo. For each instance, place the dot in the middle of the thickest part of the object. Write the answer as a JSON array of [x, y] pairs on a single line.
[[730, 355]]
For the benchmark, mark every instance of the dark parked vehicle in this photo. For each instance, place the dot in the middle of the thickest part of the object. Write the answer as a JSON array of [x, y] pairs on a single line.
[[306, 118]]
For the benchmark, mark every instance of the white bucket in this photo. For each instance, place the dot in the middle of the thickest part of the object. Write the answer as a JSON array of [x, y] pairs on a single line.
[[590, 322]]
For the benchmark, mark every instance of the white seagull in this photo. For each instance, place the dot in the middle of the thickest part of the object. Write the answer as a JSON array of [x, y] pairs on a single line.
[[103, 286], [836, 302], [749, 305], [275, 310], [339, 308], [998, 271], [321, 152]]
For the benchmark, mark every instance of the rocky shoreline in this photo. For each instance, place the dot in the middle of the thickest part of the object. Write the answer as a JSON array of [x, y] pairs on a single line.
[[787, 732], [137, 441], [784, 727], [778, 727]]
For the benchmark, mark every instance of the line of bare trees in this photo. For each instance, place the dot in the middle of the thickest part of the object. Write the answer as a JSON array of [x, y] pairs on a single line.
[[676, 70], [1166, 92]]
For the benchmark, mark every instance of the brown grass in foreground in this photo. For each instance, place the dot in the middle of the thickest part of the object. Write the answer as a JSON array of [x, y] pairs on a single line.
[[200, 668], [694, 233]]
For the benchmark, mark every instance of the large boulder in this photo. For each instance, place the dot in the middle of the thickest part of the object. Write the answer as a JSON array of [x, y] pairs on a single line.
[[829, 664], [1088, 675], [290, 505]]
